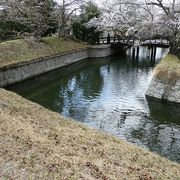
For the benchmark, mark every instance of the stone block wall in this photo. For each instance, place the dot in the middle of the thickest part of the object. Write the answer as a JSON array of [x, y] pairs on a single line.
[[18, 72], [101, 51], [162, 90], [24, 70]]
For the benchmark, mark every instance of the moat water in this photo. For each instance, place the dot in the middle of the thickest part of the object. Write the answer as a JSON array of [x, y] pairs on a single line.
[[108, 94]]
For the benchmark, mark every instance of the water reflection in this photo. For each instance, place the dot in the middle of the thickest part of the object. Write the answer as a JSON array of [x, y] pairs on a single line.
[[164, 113], [108, 94]]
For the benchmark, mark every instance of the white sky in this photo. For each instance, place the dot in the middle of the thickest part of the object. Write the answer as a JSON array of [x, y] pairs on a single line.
[[99, 2]]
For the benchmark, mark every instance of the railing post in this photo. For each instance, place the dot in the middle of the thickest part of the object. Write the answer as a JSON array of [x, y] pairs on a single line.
[[133, 53], [98, 40], [108, 39], [152, 53], [137, 54], [154, 56]]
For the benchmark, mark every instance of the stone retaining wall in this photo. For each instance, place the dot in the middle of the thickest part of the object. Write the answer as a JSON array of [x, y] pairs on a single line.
[[101, 51], [162, 90], [24, 70]]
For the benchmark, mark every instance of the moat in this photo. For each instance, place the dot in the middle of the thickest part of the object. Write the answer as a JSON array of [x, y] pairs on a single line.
[[108, 94]]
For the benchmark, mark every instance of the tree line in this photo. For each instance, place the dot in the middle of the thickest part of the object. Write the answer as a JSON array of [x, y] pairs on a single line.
[[142, 20], [137, 19], [45, 17]]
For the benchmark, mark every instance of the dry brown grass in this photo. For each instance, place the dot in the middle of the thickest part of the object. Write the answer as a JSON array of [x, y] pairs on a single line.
[[23, 50], [37, 143], [168, 69]]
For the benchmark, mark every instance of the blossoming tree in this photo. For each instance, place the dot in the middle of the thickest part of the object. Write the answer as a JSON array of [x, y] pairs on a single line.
[[143, 19]]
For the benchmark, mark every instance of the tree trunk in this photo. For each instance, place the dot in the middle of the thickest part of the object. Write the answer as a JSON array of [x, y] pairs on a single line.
[[62, 22], [175, 48], [61, 32]]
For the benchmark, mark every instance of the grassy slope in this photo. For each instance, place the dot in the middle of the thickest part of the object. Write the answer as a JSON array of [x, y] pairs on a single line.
[[28, 49], [36, 142], [168, 69]]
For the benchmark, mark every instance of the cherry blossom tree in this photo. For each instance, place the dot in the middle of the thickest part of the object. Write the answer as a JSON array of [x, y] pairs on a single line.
[[123, 16], [143, 19], [167, 24], [37, 15]]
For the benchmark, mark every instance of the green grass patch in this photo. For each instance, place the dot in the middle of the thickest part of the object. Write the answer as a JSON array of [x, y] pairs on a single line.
[[60, 45], [21, 50], [168, 69]]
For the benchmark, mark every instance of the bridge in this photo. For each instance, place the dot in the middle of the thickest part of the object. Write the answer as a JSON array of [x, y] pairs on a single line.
[[125, 44], [122, 42], [116, 42], [156, 43]]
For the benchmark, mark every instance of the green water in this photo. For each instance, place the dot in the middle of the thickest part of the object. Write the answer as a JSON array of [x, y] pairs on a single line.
[[109, 94]]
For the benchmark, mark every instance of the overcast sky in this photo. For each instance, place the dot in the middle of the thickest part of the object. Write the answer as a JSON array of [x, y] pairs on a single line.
[[99, 2]]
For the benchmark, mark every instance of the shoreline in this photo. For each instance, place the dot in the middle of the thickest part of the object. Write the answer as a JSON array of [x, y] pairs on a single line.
[[17, 72], [39, 143], [165, 83]]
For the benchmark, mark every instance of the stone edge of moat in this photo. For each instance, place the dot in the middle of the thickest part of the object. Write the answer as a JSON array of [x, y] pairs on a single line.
[[17, 72], [164, 90]]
